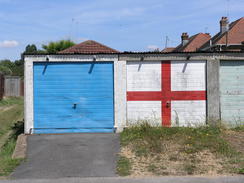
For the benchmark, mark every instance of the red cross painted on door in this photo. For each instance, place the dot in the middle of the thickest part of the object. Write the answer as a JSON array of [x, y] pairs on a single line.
[[165, 95]]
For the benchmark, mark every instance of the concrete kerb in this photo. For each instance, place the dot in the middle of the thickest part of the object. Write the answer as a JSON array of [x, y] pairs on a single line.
[[20, 147]]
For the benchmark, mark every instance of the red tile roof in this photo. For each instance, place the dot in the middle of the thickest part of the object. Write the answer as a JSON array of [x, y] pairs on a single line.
[[235, 35], [169, 49], [89, 47], [195, 42]]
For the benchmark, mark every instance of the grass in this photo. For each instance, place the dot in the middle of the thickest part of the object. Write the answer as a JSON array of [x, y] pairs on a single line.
[[149, 139], [239, 128], [11, 114], [187, 146], [123, 166], [11, 110], [11, 101], [7, 164]]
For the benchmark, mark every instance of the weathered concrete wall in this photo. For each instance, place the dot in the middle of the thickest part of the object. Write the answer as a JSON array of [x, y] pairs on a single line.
[[120, 95], [213, 100]]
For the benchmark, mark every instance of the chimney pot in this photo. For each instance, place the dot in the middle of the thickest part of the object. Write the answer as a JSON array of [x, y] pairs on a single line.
[[224, 25], [184, 38]]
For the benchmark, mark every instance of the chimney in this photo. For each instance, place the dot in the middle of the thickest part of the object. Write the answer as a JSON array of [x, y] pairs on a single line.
[[242, 46], [224, 25], [184, 38]]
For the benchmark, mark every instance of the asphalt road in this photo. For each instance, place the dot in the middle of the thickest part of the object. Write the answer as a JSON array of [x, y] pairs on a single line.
[[69, 155], [222, 179]]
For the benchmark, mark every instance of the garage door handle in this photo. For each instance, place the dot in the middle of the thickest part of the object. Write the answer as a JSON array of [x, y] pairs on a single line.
[[74, 106]]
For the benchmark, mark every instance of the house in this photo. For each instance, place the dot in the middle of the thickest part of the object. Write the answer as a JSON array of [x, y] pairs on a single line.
[[229, 38], [193, 43], [89, 47], [190, 44]]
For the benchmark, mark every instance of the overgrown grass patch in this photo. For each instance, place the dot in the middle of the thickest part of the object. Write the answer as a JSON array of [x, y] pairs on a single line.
[[183, 150], [11, 101], [239, 128], [7, 164], [11, 125], [11, 111], [123, 166]]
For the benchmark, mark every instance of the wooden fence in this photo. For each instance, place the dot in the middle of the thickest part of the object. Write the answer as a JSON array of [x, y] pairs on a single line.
[[1, 86], [13, 86]]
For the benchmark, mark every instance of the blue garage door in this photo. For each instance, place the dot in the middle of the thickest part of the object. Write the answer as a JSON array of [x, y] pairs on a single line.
[[73, 97]]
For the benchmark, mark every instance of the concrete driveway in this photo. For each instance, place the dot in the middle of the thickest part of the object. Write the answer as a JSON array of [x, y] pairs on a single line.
[[70, 155]]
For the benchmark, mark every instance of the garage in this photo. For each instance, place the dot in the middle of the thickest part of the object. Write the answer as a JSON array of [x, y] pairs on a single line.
[[232, 92], [73, 97], [166, 93]]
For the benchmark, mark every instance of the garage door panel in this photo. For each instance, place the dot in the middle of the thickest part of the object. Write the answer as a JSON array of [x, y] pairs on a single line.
[[69, 122], [72, 96], [232, 91], [74, 130]]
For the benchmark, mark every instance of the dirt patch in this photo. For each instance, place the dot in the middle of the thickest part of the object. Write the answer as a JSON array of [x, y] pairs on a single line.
[[174, 163], [236, 139], [207, 151], [6, 108]]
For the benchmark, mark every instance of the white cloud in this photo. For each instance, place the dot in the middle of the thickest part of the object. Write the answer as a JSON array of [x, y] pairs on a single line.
[[9, 44], [152, 47]]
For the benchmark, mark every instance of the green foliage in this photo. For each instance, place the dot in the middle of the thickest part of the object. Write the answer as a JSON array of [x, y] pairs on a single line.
[[5, 70], [123, 166], [54, 47], [7, 164], [241, 171], [239, 128], [11, 101], [12, 68], [12, 110], [30, 49], [16, 68], [10, 126]]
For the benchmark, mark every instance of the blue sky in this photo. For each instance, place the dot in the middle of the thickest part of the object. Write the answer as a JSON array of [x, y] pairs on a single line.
[[126, 25]]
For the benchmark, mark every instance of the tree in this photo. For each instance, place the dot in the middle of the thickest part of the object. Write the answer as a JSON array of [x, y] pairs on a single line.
[[7, 67], [29, 49], [7, 64], [156, 50], [54, 47], [5, 70], [18, 69]]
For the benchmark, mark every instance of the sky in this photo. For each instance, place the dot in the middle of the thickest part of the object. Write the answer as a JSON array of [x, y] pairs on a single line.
[[125, 25]]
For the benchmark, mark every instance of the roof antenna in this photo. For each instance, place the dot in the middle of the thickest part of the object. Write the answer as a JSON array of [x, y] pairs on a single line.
[[166, 41], [227, 8], [71, 29], [206, 30]]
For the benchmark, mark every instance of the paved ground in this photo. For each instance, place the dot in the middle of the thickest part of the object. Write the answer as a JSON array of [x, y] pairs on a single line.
[[69, 155], [234, 179]]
